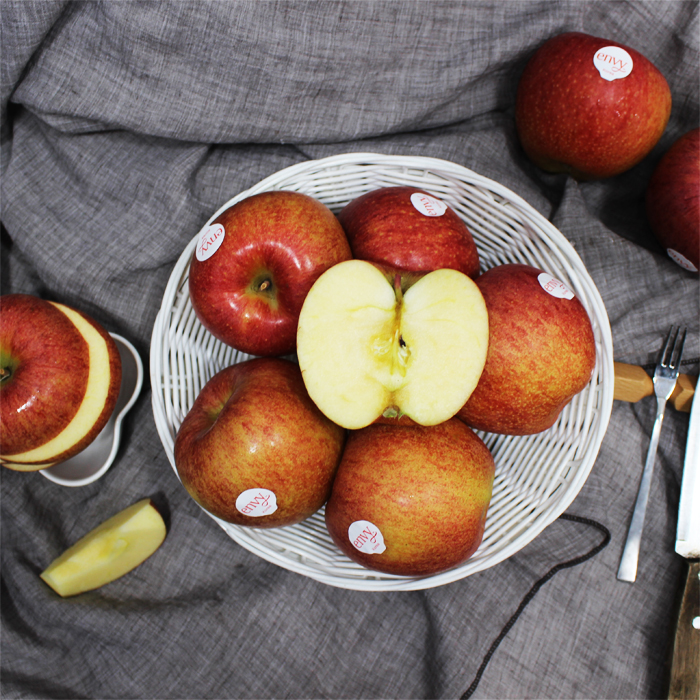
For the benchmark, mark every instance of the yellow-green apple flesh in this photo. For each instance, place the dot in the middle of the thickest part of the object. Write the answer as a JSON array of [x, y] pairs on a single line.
[[254, 450], [541, 352], [254, 265], [112, 549], [60, 378], [673, 201], [408, 229], [411, 500], [374, 342], [590, 107]]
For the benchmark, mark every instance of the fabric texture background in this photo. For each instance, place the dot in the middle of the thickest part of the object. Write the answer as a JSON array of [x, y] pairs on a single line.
[[125, 125]]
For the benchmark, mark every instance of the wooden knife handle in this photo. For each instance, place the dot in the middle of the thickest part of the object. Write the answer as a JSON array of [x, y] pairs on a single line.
[[632, 383], [685, 664]]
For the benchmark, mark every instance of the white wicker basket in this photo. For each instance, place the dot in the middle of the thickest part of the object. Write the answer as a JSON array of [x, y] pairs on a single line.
[[537, 476]]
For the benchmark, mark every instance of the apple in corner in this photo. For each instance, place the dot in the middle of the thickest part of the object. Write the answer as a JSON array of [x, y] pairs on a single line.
[[110, 551], [254, 450], [673, 201], [411, 500], [590, 107], [374, 342], [60, 375], [541, 352], [254, 264], [408, 229]]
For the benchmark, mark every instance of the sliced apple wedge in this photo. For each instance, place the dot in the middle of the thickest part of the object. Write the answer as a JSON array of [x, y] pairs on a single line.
[[375, 342], [109, 551]]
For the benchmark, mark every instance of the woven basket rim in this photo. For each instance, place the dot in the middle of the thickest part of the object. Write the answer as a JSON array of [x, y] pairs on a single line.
[[502, 216]]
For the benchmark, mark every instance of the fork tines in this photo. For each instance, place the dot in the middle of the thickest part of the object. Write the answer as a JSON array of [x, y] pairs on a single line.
[[672, 351]]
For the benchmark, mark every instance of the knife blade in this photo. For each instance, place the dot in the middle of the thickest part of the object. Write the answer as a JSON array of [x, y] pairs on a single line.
[[685, 663]]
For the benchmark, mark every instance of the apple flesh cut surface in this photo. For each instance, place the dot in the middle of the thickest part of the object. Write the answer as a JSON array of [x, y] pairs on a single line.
[[61, 374], [109, 551], [254, 450], [411, 500], [580, 110], [408, 229], [673, 201], [541, 352], [254, 265], [375, 343]]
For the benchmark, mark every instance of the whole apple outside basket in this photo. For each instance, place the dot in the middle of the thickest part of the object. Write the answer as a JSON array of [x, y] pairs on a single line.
[[537, 476]]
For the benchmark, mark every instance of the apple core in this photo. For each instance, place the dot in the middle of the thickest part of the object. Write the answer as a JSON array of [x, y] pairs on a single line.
[[371, 342]]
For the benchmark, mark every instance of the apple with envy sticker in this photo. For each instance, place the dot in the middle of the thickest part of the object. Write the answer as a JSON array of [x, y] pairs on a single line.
[[254, 450], [254, 265], [541, 351], [411, 500], [590, 107], [673, 201], [408, 229]]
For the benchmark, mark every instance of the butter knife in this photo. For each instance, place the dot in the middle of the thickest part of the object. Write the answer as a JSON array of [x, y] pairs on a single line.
[[685, 663]]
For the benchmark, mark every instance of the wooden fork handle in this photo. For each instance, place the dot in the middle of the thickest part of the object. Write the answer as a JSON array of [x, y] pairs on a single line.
[[632, 383]]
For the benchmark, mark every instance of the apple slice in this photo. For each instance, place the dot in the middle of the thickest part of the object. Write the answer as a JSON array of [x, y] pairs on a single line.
[[60, 382], [109, 551], [373, 342]]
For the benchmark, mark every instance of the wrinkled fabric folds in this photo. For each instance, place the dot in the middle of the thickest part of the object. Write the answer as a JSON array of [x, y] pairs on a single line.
[[125, 126]]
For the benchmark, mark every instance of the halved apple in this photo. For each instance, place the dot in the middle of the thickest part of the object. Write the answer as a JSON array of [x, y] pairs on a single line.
[[109, 551], [60, 378], [373, 342]]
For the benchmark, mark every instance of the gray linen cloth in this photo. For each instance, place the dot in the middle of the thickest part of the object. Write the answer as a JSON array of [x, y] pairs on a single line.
[[125, 125]]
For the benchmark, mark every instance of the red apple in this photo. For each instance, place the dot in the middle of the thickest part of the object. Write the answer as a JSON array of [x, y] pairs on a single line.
[[60, 378], [254, 265], [590, 107], [254, 450], [411, 500], [541, 352], [673, 201], [408, 229], [372, 342]]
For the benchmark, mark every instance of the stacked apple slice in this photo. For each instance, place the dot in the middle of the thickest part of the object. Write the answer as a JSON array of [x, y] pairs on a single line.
[[60, 378]]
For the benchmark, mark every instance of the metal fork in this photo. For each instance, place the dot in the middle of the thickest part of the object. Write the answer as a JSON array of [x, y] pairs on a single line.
[[665, 376]]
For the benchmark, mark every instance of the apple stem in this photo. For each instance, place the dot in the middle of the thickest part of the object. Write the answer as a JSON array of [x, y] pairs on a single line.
[[264, 285], [397, 288], [5, 373]]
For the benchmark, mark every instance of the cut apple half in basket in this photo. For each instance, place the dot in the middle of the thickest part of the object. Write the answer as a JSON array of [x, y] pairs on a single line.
[[373, 342]]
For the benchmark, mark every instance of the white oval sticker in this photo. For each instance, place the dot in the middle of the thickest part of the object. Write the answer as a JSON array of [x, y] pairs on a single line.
[[553, 286], [366, 537], [427, 205], [210, 240], [681, 260], [612, 62], [256, 502]]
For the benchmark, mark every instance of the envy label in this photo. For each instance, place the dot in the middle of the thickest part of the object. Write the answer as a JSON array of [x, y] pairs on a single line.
[[366, 537], [553, 286], [681, 260], [210, 240], [256, 502], [427, 205], [612, 63]]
